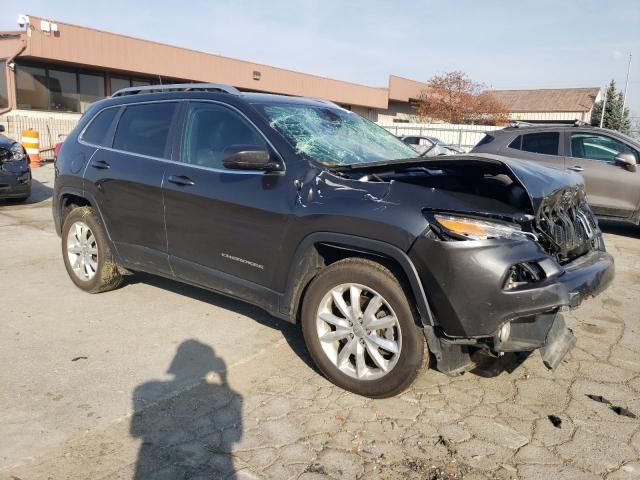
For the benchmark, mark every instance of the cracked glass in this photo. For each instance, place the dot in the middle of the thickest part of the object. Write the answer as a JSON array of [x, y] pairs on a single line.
[[334, 136]]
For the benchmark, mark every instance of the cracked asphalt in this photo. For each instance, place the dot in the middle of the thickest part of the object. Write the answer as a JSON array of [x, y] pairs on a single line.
[[163, 381]]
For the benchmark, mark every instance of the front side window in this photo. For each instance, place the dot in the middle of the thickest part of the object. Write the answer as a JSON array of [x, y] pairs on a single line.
[[334, 136], [210, 129], [99, 130], [544, 142], [144, 129], [598, 147]]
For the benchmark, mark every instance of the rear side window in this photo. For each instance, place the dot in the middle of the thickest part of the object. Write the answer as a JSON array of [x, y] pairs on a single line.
[[517, 143], [486, 139], [144, 129], [99, 131], [543, 142]]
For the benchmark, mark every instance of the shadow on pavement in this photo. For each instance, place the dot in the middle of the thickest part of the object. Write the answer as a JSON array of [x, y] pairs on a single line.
[[189, 435], [624, 229], [291, 333]]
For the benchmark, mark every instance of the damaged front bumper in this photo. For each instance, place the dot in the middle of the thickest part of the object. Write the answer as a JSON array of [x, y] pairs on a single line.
[[475, 306]]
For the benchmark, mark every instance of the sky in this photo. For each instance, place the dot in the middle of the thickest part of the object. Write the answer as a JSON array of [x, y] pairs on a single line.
[[503, 44]]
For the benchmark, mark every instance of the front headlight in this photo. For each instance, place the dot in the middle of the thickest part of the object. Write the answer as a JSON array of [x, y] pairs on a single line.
[[17, 152], [473, 229]]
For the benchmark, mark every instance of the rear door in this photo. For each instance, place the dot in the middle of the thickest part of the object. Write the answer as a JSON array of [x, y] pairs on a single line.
[[224, 226], [612, 190], [125, 175], [540, 147]]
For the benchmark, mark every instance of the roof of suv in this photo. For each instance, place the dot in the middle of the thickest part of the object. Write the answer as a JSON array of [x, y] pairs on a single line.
[[215, 89]]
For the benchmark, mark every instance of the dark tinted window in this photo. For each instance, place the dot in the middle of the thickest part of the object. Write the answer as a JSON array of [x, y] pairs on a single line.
[[486, 139], [4, 92], [543, 142], [63, 90], [144, 129], [516, 142], [119, 82], [98, 130], [90, 88], [411, 140], [210, 129], [31, 88]]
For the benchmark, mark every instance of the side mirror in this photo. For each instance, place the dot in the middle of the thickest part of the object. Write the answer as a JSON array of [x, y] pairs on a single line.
[[249, 157], [627, 160], [1, 128]]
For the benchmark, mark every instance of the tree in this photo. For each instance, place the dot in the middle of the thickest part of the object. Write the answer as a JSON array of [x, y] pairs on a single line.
[[614, 117], [455, 98]]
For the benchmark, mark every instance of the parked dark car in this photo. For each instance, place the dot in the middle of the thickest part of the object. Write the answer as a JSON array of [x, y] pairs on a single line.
[[321, 217], [605, 158], [15, 173], [430, 146]]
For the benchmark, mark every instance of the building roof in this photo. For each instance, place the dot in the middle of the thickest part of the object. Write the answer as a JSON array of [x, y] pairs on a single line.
[[548, 99]]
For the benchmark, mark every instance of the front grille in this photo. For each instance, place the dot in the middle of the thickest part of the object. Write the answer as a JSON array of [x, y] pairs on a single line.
[[565, 224], [4, 154]]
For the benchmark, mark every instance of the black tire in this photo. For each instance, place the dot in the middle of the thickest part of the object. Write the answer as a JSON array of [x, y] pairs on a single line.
[[375, 276], [106, 277]]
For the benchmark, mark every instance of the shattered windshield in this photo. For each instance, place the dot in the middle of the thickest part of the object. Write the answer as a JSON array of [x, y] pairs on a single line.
[[333, 136]]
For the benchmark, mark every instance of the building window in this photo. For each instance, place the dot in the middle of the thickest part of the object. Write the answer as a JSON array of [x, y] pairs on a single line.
[[63, 91], [91, 88], [31, 88], [4, 91], [54, 89], [118, 82]]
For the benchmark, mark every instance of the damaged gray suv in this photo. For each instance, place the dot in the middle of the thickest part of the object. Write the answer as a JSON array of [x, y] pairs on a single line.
[[321, 217]]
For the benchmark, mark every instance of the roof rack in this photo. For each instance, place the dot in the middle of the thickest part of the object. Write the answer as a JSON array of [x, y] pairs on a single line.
[[178, 87], [518, 124]]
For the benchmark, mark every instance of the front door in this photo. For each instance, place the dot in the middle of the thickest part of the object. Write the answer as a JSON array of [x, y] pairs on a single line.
[[612, 190], [223, 226]]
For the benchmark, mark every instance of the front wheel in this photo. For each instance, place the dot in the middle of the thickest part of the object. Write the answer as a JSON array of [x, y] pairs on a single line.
[[360, 330]]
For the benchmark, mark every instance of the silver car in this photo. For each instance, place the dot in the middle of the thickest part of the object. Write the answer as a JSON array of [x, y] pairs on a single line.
[[605, 158], [430, 146]]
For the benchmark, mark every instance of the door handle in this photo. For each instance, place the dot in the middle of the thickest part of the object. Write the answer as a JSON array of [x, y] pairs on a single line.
[[100, 165], [576, 168], [181, 180]]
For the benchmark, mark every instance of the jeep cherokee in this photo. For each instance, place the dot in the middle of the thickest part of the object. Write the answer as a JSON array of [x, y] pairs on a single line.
[[321, 217]]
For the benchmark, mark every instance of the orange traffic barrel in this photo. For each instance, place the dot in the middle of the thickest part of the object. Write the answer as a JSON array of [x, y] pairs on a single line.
[[31, 143]]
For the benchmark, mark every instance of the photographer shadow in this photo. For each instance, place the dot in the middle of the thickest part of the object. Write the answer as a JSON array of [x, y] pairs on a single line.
[[189, 435]]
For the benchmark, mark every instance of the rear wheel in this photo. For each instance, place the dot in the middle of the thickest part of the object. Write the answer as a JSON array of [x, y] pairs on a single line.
[[87, 253], [360, 329]]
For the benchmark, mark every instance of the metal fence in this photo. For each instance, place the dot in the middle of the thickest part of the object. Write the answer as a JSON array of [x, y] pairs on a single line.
[[464, 136], [51, 129]]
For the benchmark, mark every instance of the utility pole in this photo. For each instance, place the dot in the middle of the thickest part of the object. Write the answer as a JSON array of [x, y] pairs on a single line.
[[604, 105], [626, 84]]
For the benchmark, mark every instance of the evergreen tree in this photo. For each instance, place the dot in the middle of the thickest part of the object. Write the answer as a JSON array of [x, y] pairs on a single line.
[[614, 117]]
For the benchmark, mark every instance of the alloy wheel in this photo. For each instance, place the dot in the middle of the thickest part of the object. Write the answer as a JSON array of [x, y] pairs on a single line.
[[359, 331]]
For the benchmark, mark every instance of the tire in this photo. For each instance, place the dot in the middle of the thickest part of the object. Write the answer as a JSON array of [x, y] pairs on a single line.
[[347, 338], [94, 268]]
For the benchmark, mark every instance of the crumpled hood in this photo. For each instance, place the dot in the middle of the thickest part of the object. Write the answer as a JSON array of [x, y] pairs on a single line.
[[538, 181]]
